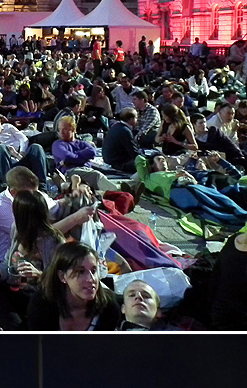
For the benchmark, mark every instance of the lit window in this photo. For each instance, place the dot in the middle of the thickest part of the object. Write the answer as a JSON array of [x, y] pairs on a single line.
[[239, 21], [215, 34]]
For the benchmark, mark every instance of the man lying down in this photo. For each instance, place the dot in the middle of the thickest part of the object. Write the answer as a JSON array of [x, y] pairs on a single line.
[[207, 194]]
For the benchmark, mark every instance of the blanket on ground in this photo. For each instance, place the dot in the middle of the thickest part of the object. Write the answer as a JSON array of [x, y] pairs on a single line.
[[137, 242]]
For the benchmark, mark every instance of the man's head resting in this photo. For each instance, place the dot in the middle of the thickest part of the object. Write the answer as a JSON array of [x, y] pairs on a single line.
[[140, 304], [157, 162]]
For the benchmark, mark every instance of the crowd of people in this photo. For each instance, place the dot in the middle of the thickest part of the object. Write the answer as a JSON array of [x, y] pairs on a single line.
[[145, 110]]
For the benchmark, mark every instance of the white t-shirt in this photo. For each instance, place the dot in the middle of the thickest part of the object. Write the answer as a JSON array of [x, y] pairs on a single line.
[[10, 135]]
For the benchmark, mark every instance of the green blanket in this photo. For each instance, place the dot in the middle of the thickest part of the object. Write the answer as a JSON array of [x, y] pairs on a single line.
[[188, 222]]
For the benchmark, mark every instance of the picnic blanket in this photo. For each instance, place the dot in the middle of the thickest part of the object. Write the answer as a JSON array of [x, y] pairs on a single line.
[[208, 204], [189, 222], [136, 241]]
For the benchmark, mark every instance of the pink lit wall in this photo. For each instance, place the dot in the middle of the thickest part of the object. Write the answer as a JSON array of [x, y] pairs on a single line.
[[217, 22]]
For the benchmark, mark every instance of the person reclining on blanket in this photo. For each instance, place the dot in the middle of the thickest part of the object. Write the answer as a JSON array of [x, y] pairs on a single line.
[[227, 183], [141, 306], [183, 191]]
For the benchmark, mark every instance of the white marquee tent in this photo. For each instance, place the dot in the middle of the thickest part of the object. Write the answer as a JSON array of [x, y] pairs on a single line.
[[63, 16], [122, 23]]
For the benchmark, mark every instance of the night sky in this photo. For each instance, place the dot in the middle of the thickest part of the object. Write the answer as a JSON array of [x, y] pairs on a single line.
[[125, 361]]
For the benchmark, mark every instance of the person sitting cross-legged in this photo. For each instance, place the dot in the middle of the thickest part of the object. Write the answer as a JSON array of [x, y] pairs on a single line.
[[176, 134], [73, 156], [148, 122], [119, 147]]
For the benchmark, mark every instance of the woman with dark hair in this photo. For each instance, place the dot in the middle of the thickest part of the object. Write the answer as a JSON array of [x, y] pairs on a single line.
[[35, 238], [42, 96], [71, 297], [199, 88], [31, 250], [16, 71], [98, 99], [24, 101], [109, 78], [176, 134]]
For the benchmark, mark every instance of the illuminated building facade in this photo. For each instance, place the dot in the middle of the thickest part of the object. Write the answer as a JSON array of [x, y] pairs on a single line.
[[217, 22]]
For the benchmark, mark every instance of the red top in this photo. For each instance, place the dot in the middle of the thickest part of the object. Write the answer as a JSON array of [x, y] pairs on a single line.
[[97, 47], [119, 52]]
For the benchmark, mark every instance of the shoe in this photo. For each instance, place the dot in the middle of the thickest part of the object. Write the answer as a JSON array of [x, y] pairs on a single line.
[[134, 188]]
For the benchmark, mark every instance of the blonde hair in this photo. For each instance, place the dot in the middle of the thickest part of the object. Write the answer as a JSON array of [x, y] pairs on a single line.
[[69, 120]]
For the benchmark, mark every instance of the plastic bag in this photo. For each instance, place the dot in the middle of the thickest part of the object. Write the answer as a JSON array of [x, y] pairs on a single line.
[[103, 244], [169, 283], [89, 233]]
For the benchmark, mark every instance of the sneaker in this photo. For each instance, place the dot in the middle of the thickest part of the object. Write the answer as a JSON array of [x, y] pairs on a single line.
[[134, 188]]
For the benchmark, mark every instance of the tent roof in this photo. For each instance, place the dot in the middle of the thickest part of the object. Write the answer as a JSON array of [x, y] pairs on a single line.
[[63, 16], [112, 13]]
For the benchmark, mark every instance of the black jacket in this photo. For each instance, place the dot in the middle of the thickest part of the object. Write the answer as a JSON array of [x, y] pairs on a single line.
[[43, 315], [119, 146]]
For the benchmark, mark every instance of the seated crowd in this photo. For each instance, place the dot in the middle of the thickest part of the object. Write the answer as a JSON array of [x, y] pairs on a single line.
[[56, 113]]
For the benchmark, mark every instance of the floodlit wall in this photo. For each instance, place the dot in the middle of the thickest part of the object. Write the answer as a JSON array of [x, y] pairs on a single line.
[[14, 22], [217, 22]]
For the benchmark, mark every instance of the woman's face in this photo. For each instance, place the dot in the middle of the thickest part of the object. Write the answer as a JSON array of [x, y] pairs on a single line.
[[24, 92], [100, 93], [83, 281]]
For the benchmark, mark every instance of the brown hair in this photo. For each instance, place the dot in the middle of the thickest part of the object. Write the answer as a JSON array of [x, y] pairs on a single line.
[[68, 256], [21, 178]]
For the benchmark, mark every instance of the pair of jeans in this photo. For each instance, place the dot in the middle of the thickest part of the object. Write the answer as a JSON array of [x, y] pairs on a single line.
[[34, 159]]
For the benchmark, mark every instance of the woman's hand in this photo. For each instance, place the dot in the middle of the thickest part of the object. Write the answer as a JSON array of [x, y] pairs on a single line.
[[171, 139], [84, 214], [28, 270], [160, 139]]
